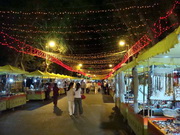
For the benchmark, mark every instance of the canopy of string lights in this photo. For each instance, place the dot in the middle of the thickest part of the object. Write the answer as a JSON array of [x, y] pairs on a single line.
[[86, 33]]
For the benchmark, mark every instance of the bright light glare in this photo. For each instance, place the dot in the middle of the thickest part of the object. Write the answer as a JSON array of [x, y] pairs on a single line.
[[122, 43], [51, 43], [110, 65], [80, 65], [10, 80]]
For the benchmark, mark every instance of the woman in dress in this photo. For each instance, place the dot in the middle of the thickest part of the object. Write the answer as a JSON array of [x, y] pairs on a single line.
[[70, 98]]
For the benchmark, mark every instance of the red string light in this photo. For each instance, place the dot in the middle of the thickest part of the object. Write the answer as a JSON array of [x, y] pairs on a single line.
[[27, 49]]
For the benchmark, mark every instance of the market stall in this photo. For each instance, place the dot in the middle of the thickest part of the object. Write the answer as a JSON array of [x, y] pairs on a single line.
[[16, 100], [158, 88], [11, 87], [3, 102], [35, 85]]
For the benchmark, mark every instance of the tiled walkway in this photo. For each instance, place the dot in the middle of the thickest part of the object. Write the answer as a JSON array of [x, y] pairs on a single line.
[[41, 118]]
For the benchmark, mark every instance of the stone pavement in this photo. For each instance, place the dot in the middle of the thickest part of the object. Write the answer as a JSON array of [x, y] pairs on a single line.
[[41, 118]]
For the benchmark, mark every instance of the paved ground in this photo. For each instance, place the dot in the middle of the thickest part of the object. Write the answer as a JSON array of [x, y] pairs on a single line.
[[41, 118]]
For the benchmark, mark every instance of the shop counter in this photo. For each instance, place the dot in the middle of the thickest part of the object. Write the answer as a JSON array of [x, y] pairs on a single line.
[[51, 94], [35, 95], [154, 129], [137, 122], [117, 102], [61, 91], [3, 102], [111, 92], [16, 100], [124, 109]]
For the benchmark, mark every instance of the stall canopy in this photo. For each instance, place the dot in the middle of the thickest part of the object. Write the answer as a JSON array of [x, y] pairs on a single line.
[[8, 69], [38, 73], [35, 73]]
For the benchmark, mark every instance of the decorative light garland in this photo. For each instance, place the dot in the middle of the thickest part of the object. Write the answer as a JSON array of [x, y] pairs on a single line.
[[85, 39], [81, 12], [7, 25], [61, 32], [71, 32], [89, 56], [108, 61], [59, 19]]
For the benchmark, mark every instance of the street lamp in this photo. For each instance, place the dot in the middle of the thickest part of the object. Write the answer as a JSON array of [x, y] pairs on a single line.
[[122, 43], [52, 43], [80, 65], [48, 45]]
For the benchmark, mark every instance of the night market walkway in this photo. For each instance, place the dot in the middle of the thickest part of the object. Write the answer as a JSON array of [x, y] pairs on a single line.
[[41, 118]]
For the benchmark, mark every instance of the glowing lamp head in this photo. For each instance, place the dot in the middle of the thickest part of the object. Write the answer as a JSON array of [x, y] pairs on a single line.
[[51, 43], [110, 65], [121, 42], [80, 65]]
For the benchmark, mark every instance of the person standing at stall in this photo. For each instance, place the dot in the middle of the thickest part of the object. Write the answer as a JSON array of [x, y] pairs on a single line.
[[70, 98], [55, 94], [104, 87], [107, 88], [47, 90], [77, 100]]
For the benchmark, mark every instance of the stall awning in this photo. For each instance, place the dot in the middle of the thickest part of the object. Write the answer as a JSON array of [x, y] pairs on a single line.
[[35, 73], [8, 69], [161, 47]]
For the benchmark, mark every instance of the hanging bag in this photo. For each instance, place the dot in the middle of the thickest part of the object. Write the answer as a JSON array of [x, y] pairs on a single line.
[[83, 96]]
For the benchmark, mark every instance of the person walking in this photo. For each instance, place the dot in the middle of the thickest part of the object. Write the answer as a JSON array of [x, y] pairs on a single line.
[[70, 98], [96, 87], [77, 100], [83, 86], [55, 94]]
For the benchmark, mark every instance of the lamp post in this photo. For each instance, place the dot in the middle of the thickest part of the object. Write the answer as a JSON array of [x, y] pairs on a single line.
[[48, 45], [122, 43]]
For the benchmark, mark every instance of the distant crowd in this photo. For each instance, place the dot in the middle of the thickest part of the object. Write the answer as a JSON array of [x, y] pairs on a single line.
[[74, 91]]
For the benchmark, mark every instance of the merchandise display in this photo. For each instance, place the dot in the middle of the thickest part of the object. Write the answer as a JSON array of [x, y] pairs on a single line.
[[168, 126]]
